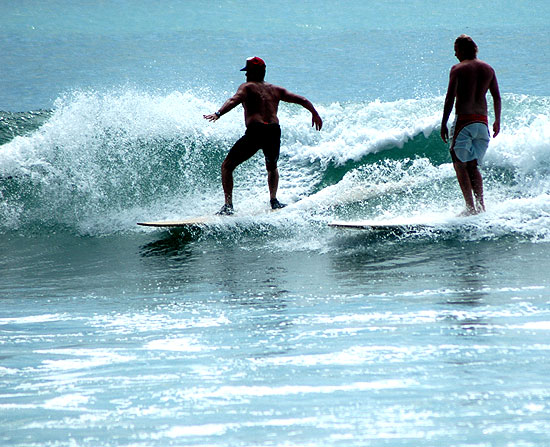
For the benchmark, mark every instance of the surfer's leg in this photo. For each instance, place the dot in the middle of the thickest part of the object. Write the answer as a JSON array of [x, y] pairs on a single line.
[[468, 147], [273, 183], [465, 183], [242, 150], [272, 179], [479, 147], [271, 149], [227, 180], [477, 184]]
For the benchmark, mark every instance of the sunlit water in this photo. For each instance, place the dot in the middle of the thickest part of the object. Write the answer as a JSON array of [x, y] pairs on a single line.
[[377, 342], [268, 329]]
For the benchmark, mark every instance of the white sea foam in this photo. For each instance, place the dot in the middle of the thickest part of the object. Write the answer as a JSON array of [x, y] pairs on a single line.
[[78, 359], [176, 344], [352, 131], [72, 401], [102, 162], [30, 319], [230, 392]]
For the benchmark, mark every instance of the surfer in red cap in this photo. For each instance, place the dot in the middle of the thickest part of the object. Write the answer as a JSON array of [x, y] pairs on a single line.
[[469, 82], [260, 101]]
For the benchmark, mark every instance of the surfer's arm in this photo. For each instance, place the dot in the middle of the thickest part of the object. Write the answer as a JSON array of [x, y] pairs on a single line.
[[293, 98], [228, 105], [449, 103], [497, 104]]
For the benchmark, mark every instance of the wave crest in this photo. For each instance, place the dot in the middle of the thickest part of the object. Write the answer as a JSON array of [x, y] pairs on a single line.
[[103, 160]]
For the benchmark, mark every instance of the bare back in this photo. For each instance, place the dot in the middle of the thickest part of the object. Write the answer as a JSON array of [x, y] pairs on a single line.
[[469, 82], [261, 102], [473, 78]]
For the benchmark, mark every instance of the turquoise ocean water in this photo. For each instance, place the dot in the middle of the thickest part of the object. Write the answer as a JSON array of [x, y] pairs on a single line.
[[271, 329]]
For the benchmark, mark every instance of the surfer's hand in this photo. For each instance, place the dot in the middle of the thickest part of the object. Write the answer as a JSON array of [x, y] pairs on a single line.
[[316, 121], [444, 133], [211, 117], [496, 128]]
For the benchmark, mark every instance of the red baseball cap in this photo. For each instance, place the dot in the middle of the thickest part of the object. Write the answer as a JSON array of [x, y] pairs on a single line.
[[253, 63]]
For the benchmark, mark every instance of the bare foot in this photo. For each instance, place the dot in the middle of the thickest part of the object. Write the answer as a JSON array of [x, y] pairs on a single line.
[[467, 212]]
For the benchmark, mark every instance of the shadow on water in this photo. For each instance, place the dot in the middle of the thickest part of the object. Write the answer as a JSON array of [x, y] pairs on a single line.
[[463, 269], [472, 270], [220, 263], [360, 251], [456, 277], [172, 242]]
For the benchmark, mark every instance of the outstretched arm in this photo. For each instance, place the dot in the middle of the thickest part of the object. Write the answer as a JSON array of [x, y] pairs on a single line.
[[449, 103], [228, 105], [306, 104]]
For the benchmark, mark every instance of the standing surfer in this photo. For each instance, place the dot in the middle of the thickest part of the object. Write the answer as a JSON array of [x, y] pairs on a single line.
[[260, 101], [469, 82]]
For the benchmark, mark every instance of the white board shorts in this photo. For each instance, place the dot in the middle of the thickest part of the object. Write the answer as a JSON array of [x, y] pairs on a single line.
[[472, 142]]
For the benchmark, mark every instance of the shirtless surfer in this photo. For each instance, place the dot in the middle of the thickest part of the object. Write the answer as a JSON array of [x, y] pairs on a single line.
[[469, 81], [260, 101]]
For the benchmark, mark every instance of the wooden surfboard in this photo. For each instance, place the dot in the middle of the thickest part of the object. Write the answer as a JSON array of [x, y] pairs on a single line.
[[193, 222], [207, 221]]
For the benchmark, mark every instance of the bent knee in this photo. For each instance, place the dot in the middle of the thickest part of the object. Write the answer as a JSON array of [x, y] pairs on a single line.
[[228, 165]]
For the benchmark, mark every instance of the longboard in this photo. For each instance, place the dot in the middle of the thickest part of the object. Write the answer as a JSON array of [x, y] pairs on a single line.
[[207, 221], [380, 226], [194, 222]]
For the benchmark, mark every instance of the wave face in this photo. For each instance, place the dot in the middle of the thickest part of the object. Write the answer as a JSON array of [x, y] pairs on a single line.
[[99, 162]]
